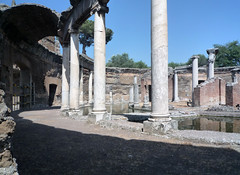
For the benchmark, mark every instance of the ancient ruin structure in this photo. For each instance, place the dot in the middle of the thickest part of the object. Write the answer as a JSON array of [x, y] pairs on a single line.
[[8, 164]]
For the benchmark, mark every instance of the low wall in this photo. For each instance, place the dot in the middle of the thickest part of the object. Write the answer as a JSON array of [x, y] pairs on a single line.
[[233, 94]]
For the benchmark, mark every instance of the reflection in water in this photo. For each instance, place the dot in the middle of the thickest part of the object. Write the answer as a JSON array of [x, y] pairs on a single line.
[[225, 124]]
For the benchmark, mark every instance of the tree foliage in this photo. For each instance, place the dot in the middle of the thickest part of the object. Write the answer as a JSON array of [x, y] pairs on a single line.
[[228, 55], [86, 36], [201, 61], [125, 62]]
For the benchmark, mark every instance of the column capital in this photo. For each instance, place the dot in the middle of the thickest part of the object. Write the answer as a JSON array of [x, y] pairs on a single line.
[[195, 57], [213, 51]]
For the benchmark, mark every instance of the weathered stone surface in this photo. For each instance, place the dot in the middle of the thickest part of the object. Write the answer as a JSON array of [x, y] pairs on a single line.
[[7, 127], [160, 127]]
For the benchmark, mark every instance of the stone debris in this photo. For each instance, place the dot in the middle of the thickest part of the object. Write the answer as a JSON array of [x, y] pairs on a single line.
[[8, 165], [222, 108]]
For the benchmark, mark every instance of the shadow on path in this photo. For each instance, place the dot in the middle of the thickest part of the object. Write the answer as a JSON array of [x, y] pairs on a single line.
[[45, 150]]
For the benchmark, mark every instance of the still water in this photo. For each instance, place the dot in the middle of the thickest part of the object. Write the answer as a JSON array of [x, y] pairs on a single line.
[[221, 124]]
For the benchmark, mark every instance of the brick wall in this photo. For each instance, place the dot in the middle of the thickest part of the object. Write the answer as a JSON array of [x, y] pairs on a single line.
[[211, 92], [233, 94]]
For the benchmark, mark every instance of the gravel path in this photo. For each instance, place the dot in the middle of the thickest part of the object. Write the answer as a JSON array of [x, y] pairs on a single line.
[[45, 143]]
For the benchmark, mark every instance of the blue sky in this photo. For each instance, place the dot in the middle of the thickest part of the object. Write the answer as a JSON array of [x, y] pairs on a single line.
[[194, 26]]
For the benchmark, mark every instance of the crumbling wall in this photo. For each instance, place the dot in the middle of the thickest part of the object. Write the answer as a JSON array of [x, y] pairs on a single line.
[[120, 80], [233, 94], [8, 164], [211, 92]]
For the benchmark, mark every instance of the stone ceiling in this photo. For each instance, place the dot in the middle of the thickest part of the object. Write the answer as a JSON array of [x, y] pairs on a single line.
[[28, 22]]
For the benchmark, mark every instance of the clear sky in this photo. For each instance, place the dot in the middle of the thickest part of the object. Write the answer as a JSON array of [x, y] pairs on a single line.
[[194, 26]]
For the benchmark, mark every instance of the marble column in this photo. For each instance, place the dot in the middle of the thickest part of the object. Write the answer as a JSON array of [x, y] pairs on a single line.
[[65, 77], [136, 94], [175, 88], [81, 88], [211, 59], [131, 99], [99, 109], [194, 75], [90, 88], [159, 58], [74, 70]]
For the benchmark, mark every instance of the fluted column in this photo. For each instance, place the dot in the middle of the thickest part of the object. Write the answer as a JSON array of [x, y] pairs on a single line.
[[194, 74], [99, 62], [90, 88], [65, 77], [211, 59], [74, 70], [159, 58], [175, 88]]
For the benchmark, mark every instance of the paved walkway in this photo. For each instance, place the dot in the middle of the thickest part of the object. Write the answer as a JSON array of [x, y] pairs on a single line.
[[45, 143]]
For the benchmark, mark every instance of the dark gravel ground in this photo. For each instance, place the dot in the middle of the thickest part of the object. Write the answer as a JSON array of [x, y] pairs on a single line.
[[46, 144]]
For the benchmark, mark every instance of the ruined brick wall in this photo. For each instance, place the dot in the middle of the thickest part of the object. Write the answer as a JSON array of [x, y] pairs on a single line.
[[51, 43], [8, 164], [33, 58], [211, 92], [232, 94], [119, 81]]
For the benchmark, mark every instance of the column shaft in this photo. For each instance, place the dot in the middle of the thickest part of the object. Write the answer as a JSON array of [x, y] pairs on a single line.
[[136, 94], [74, 71], [211, 59], [159, 57], [65, 78], [131, 99], [194, 75], [99, 62], [81, 87], [90, 88], [175, 94]]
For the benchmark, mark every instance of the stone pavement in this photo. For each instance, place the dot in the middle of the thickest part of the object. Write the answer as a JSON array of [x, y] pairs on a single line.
[[45, 143]]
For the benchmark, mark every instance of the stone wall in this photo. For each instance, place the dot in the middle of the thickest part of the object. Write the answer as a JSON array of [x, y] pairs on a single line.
[[8, 164], [120, 80], [33, 60], [233, 94], [211, 92]]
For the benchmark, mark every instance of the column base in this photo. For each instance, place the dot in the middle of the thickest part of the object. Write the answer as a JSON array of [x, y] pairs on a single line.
[[160, 126], [95, 117], [75, 114], [176, 100], [159, 116], [146, 105]]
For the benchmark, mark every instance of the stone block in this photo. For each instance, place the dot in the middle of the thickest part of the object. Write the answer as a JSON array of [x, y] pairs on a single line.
[[95, 117], [159, 126]]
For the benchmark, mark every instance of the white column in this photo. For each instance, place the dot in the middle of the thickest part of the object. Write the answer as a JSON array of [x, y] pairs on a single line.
[[74, 70], [175, 88], [90, 88], [136, 94], [159, 57], [194, 74], [211, 59], [99, 62], [81, 88], [131, 100], [65, 77]]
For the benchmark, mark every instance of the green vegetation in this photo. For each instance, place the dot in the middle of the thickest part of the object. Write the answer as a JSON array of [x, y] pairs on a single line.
[[125, 62], [86, 36], [228, 55]]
